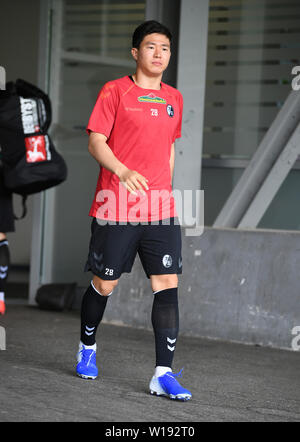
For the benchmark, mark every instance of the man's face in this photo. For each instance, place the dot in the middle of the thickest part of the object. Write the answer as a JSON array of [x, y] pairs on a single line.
[[153, 55]]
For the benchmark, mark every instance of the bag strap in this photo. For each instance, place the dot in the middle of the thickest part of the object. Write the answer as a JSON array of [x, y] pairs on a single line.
[[24, 207]]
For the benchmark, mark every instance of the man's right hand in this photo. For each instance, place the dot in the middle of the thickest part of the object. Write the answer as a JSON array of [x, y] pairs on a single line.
[[132, 180]]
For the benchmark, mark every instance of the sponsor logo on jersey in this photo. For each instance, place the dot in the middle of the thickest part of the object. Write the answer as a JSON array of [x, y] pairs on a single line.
[[170, 110], [151, 98], [134, 109]]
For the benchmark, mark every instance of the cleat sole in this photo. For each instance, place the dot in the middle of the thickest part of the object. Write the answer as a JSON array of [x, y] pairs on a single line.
[[155, 393], [82, 376], [171, 396]]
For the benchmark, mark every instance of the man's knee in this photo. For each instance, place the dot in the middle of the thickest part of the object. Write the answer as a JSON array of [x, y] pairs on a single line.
[[163, 282], [103, 286]]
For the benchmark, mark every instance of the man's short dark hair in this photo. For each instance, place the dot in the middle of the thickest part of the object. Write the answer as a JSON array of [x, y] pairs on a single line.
[[149, 27]]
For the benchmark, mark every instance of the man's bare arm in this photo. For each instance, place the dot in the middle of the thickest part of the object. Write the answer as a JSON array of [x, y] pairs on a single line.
[[100, 150]]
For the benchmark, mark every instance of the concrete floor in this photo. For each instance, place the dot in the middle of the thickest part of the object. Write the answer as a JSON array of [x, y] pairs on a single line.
[[229, 382]]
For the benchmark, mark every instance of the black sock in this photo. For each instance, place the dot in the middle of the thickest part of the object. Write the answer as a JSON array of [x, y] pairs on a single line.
[[4, 264], [165, 321], [92, 309]]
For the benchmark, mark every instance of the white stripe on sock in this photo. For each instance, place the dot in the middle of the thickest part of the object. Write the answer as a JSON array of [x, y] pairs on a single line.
[[154, 293], [98, 291], [89, 329], [171, 341]]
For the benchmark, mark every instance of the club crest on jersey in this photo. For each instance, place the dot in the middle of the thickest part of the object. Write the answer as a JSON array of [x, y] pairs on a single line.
[[151, 98], [170, 110], [167, 261]]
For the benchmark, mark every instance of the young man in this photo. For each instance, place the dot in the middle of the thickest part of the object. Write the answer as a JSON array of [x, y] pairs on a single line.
[[132, 131], [6, 225]]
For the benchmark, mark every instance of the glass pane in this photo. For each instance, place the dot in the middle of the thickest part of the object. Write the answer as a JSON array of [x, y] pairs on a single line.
[[80, 85], [217, 184], [252, 47], [284, 211], [101, 27]]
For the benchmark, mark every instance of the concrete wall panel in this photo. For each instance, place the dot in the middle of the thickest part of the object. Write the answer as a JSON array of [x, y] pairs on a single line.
[[236, 285]]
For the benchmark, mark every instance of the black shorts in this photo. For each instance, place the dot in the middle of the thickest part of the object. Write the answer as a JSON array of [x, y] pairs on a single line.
[[113, 248], [7, 220]]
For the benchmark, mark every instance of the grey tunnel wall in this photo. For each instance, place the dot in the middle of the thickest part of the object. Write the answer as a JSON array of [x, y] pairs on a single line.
[[240, 286]]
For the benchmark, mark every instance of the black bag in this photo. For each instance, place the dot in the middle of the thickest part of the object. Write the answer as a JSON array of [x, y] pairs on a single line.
[[57, 297], [30, 162]]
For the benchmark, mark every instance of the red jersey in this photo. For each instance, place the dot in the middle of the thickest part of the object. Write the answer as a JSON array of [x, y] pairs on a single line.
[[140, 126]]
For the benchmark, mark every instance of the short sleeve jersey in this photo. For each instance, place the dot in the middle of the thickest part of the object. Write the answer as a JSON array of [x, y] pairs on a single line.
[[140, 126]]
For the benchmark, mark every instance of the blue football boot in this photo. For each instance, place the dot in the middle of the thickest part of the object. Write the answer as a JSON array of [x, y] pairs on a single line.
[[86, 363], [167, 385]]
